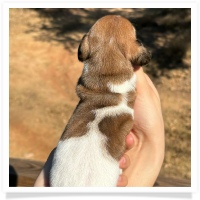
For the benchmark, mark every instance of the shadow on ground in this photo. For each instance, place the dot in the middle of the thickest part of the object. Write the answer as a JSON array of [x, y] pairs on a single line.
[[167, 31]]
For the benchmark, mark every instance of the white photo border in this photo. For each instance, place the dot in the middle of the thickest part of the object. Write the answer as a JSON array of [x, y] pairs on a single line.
[[97, 4]]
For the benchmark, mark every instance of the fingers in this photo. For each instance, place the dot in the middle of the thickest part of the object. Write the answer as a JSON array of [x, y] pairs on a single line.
[[124, 162], [43, 178], [143, 82], [144, 140], [122, 181], [130, 140], [147, 94], [141, 79]]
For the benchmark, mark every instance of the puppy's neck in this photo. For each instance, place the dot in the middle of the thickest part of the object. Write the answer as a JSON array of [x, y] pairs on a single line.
[[97, 77], [109, 62]]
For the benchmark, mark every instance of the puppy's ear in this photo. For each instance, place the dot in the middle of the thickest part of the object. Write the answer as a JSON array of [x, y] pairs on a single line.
[[83, 49], [142, 57]]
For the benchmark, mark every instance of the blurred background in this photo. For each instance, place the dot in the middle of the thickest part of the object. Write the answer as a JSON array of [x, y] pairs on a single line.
[[44, 70]]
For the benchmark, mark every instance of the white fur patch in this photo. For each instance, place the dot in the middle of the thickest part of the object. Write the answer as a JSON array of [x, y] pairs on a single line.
[[125, 87], [112, 111], [85, 68], [85, 161]]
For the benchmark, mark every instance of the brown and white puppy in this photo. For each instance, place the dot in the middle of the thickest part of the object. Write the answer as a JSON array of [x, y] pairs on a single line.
[[93, 141]]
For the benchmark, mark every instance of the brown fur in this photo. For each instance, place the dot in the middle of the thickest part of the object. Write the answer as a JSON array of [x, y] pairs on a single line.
[[116, 128], [110, 51], [83, 114]]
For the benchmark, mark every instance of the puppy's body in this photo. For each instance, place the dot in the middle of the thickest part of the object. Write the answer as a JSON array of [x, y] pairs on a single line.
[[94, 139]]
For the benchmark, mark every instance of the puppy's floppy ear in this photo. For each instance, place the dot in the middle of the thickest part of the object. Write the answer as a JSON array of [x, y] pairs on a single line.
[[83, 49], [142, 57]]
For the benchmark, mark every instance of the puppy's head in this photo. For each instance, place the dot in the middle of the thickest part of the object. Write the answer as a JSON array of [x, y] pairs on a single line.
[[111, 34]]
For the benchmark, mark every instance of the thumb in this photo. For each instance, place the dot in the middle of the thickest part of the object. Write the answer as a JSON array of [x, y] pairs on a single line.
[[142, 85]]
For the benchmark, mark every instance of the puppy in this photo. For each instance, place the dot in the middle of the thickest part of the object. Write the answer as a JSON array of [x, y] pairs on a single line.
[[93, 141]]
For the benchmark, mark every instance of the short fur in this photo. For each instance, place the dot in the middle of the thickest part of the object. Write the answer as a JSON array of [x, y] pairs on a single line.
[[94, 139]]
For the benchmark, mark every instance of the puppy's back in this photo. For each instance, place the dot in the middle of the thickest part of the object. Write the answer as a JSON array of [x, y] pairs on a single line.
[[94, 139]]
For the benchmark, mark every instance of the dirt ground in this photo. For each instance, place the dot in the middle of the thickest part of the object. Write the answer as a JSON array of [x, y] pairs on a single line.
[[44, 70]]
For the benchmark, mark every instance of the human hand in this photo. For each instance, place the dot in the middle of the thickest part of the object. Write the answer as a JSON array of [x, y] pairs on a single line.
[[145, 144], [43, 178]]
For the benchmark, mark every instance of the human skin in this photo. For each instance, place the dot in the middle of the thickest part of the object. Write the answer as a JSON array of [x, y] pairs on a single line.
[[144, 156], [146, 143]]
